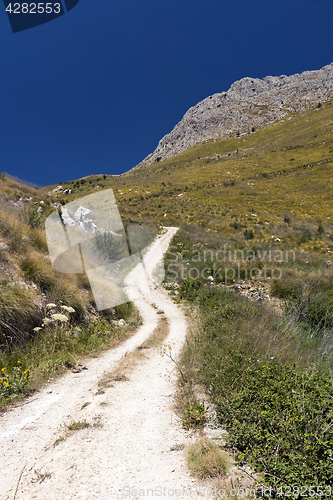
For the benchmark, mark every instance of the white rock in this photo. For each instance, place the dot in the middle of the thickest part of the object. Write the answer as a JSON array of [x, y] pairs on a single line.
[[81, 219], [82, 214], [120, 322], [67, 219]]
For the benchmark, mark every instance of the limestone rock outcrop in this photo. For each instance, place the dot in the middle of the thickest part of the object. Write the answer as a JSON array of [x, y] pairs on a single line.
[[248, 104]]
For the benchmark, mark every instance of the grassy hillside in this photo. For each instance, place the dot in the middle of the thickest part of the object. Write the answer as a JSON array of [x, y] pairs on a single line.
[[48, 320], [244, 191], [285, 168], [268, 191], [265, 200], [266, 197]]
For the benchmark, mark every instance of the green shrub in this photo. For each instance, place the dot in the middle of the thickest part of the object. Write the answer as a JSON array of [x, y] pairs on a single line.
[[249, 234], [288, 287], [276, 405], [280, 421], [13, 382], [236, 225], [124, 311], [194, 416], [305, 236], [320, 229], [188, 288]]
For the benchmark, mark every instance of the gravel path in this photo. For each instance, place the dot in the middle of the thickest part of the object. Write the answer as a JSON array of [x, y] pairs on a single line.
[[128, 448]]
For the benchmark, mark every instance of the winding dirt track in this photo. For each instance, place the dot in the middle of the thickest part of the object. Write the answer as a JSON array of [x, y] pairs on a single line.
[[131, 450]]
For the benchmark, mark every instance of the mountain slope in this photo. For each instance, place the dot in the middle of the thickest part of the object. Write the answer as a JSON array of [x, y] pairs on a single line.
[[284, 167], [248, 104]]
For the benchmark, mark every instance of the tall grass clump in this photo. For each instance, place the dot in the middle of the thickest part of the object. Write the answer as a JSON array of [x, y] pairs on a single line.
[[309, 298], [19, 313], [12, 229], [31, 217], [58, 343], [206, 459], [38, 269], [58, 287]]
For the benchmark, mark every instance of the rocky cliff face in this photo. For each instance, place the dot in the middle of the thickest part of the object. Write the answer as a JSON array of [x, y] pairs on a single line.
[[248, 104]]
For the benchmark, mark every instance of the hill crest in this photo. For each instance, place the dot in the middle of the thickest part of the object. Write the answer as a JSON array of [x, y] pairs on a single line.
[[250, 103]]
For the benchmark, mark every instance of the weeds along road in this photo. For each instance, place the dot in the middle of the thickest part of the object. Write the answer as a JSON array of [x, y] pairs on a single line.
[[128, 448]]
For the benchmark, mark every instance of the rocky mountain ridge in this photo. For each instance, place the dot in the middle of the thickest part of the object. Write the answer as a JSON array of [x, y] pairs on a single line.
[[248, 104]]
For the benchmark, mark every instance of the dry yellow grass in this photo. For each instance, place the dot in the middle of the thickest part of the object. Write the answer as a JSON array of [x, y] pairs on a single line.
[[206, 459]]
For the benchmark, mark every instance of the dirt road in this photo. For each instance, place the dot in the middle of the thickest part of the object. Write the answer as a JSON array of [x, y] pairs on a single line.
[[129, 447]]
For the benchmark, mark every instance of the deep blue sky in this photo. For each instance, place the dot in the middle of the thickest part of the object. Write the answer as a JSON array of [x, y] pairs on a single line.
[[95, 90]]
